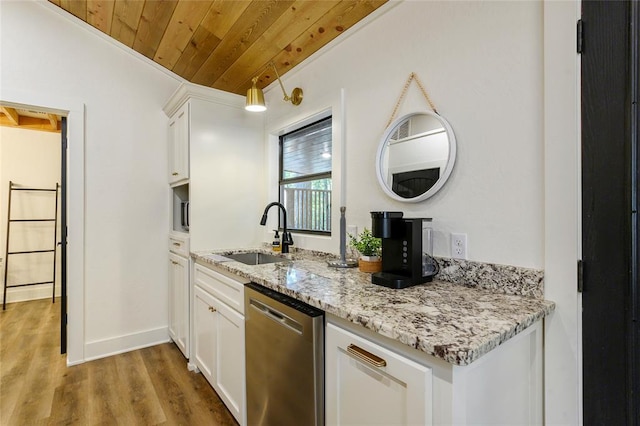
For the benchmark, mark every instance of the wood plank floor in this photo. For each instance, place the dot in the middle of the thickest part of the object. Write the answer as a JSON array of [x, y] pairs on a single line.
[[150, 386]]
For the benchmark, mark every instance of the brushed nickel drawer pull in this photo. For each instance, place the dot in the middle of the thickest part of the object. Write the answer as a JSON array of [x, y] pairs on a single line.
[[366, 356]]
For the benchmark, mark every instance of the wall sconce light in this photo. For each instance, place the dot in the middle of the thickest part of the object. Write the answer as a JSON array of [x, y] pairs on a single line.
[[255, 97]]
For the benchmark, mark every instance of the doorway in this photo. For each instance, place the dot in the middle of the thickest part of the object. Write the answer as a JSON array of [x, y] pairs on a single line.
[[610, 145], [33, 207]]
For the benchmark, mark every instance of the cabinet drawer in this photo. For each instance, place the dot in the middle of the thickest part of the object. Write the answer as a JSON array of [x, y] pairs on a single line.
[[227, 289], [369, 384], [179, 244]]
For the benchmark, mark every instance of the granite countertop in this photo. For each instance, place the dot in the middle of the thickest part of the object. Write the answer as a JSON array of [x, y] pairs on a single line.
[[450, 321]]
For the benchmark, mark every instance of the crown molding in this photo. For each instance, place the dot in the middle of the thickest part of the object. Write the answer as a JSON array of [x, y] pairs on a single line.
[[188, 91]]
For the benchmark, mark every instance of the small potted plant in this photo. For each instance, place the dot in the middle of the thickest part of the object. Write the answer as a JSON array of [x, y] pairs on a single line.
[[370, 249]]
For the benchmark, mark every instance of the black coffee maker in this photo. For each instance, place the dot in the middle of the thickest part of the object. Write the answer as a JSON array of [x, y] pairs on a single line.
[[406, 250]]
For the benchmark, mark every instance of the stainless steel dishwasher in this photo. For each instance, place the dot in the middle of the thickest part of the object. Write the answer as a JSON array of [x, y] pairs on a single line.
[[284, 344]]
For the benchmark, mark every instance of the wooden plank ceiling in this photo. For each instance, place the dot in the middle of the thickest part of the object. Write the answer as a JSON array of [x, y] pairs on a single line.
[[223, 43]]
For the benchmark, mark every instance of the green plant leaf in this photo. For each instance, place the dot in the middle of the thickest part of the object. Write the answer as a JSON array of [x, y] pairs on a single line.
[[366, 243]]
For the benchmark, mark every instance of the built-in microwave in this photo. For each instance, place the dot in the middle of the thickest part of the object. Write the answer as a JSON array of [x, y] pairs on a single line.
[[184, 215]]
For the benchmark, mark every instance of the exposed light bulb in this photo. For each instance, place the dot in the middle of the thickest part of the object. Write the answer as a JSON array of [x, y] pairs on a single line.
[[255, 108]]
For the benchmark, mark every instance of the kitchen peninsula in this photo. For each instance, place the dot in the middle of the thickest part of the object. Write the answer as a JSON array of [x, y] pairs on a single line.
[[466, 337]]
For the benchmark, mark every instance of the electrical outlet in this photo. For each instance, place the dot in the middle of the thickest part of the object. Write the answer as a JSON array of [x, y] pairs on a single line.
[[459, 246], [352, 230]]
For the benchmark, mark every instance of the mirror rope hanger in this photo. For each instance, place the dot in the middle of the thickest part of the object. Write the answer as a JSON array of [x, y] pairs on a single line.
[[412, 77]]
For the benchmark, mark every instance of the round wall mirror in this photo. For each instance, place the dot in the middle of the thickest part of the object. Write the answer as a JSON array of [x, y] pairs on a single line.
[[416, 156]]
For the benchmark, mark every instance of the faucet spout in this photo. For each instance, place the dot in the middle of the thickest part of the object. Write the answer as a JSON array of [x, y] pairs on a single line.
[[286, 236]]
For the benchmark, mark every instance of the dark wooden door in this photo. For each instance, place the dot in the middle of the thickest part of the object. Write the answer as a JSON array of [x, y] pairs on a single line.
[[63, 240], [609, 212]]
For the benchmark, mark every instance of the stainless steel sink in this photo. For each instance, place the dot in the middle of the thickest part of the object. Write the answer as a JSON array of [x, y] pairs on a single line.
[[256, 258]]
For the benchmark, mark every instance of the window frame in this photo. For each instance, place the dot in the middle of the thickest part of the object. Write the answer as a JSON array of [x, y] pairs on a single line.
[[306, 178]]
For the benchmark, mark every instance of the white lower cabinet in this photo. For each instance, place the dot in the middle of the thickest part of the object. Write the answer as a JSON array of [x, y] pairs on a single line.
[[218, 334], [367, 384], [502, 387], [179, 302]]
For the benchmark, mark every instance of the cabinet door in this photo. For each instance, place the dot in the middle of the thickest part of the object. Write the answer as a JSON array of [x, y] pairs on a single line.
[[360, 393], [204, 333], [179, 302], [219, 349], [179, 145], [230, 365]]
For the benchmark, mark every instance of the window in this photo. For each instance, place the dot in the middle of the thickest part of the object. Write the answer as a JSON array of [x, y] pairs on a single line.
[[305, 177]]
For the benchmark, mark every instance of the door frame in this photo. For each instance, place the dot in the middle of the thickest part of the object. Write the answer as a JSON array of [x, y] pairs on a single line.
[[561, 168], [74, 110]]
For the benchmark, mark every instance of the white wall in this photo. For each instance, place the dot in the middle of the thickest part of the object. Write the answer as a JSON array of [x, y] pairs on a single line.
[[29, 158], [488, 85], [505, 76], [118, 161]]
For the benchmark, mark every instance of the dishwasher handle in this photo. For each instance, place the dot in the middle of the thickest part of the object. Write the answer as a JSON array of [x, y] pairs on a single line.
[[276, 315]]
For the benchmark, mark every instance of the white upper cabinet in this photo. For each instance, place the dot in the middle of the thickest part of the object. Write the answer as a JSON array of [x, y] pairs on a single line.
[[218, 149], [179, 146]]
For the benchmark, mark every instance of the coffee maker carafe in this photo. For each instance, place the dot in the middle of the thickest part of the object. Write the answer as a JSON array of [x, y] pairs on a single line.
[[407, 250]]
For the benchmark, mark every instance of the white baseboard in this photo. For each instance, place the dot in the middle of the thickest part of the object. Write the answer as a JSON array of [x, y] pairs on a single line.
[[23, 294], [130, 342]]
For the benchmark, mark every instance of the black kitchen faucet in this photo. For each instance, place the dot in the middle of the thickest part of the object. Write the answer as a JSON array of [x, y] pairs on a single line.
[[287, 240]]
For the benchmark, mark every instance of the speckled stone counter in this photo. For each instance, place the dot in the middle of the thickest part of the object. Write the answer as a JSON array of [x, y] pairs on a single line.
[[453, 322]]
